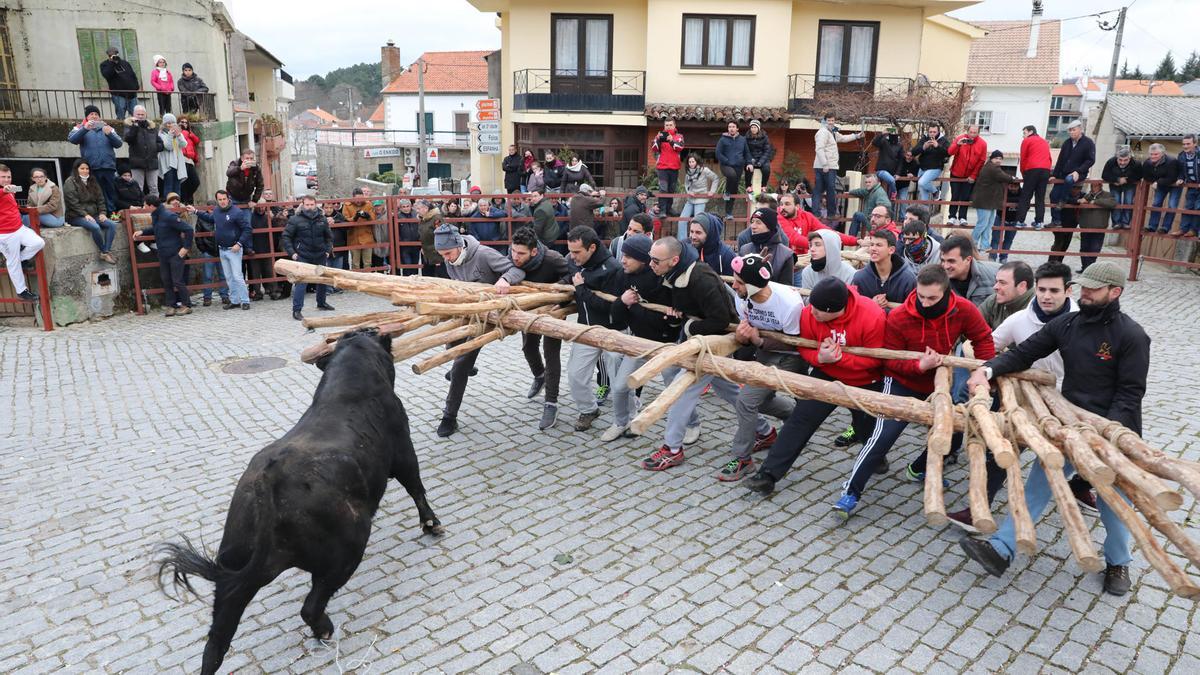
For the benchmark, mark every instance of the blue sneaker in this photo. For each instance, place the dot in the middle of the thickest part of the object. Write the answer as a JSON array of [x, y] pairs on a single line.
[[846, 505]]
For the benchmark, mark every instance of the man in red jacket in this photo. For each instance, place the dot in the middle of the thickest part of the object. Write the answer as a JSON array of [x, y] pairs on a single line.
[[667, 146], [17, 242], [970, 153], [1035, 176], [797, 224], [932, 320], [836, 317]]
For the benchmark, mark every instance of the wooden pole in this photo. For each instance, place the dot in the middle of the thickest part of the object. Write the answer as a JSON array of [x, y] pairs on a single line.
[[1151, 549], [706, 347], [1078, 535], [938, 447], [1182, 471], [440, 335], [1072, 444], [1025, 535], [980, 407], [667, 356], [1025, 429], [524, 301], [981, 514], [477, 343], [354, 319], [1159, 520]]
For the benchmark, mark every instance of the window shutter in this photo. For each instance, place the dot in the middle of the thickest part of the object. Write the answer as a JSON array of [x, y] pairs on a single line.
[[87, 59], [999, 122], [129, 51]]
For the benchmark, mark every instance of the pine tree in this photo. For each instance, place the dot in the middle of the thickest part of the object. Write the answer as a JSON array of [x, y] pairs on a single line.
[[1166, 68], [1191, 68], [1125, 74]]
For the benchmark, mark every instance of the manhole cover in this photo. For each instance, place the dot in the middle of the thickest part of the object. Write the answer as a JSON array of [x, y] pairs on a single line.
[[258, 364]]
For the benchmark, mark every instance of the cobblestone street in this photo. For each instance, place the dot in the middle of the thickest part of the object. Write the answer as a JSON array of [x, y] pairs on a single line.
[[560, 555]]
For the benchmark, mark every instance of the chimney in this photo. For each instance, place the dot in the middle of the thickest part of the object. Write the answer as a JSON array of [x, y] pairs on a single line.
[[1035, 29], [389, 63]]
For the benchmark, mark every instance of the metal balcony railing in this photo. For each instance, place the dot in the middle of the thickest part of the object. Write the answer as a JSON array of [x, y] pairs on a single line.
[[579, 90], [805, 89], [68, 104]]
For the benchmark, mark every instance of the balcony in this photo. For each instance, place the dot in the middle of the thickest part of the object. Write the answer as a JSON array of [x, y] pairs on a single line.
[[581, 91], [881, 97], [68, 104]]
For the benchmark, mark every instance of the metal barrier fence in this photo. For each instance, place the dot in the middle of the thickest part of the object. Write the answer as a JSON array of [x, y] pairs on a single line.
[[39, 271], [68, 104]]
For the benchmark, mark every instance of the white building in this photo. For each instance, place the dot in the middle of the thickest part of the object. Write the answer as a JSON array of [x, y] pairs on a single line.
[[1012, 71]]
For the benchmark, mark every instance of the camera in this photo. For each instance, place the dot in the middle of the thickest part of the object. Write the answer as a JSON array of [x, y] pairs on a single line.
[[966, 141]]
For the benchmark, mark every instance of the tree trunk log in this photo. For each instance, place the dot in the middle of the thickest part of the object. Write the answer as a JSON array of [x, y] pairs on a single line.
[[980, 407], [1160, 521], [355, 319], [935, 499], [443, 334], [981, 513], [1151, 549], [525, 301], [938, 444], [1018, 509], [662, 403], [1026, 430], [1071, 443], [720, 345], [1157, 462], [668, 355], [1078, 535]]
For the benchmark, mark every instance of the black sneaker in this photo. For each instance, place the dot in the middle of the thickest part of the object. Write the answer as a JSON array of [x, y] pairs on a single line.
[[230, 305], [325, 307], [983, 553], [761, 483], [1116, 580], [27, 296], [474, 372], [584, 421], [549, 416], [448, 426], [536, 387], [245, 305], [297, 315], [844, 439]]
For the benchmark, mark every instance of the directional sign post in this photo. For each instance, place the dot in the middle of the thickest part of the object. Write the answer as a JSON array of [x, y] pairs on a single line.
[[487, 117], [486, 149], [491, 137], [489, 126]]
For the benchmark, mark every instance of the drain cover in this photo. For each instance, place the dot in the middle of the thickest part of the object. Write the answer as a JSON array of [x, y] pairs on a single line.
[[258, 364]]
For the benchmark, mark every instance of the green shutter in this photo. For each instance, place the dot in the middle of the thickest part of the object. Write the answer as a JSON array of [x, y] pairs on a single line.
[[428, 122], [87, 59], [94, 42], [127, 43], [439, 170]]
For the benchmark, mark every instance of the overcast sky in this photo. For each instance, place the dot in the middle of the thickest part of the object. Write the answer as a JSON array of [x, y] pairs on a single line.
[[316, 36]]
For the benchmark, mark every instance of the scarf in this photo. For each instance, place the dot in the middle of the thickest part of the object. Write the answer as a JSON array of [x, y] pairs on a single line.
[[917, 250], [1043, 316], [818, 264], [693, 174], [938, 309], [761, 239]]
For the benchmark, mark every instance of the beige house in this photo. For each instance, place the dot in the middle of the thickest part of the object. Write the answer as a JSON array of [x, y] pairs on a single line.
[[599, 79]]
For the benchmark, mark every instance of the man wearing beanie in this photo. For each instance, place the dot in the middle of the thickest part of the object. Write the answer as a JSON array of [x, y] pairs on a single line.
[[987, 198], [467, 260], [758, 172], [189, 85], [705, 304], [762, 305], [634, 284], [932, 320], [540, 265], [589, 268], [98, 143], [836, 317], [766, 241]]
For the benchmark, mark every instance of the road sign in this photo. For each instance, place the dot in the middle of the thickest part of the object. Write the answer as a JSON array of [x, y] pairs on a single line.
[[489, 126], [431, 155], [489, 148], [489, 137], [487, 115], [487, 104], [382, 152]]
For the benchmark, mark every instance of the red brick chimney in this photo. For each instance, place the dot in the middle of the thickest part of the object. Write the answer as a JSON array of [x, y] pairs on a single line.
[[389, 62]]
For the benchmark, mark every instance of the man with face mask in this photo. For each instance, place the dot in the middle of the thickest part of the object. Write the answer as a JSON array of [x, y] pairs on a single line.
[[825, 260], [1106, 358], [767, 241]]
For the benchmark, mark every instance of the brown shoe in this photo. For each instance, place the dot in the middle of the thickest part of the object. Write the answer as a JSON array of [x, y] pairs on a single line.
[[183, 310], [170, 312]]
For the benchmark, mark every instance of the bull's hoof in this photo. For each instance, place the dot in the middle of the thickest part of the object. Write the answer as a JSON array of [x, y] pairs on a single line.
[[433, 527], [323, 629]]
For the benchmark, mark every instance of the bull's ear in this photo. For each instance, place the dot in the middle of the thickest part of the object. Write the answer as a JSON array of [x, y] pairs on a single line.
[[323, 361], [386, 341]]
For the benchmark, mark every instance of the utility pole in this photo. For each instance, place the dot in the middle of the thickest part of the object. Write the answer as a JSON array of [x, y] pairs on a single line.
[[1112, 73], [422, 161]]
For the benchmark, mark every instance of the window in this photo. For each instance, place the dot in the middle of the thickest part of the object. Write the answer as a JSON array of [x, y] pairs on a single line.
[[94, 42], [582, 45], [428, 125], [713, 41], [1056, 103], [846, 52], [8, 72], [385, 168], [460, 122], [981, 117]]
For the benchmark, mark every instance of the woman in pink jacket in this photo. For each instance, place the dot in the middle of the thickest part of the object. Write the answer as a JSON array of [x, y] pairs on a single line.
[[163, 82]]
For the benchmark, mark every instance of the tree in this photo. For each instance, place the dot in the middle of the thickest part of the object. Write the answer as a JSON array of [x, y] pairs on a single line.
[[1191, 68], [1166, 68], [1135, 74]]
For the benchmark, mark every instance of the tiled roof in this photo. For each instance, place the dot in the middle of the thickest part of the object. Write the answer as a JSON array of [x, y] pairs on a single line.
[[445, 72], [1154, 116], [377, 116], [715, 113], [1161, 87], [1066, 90], [999, 57], [323, 115]]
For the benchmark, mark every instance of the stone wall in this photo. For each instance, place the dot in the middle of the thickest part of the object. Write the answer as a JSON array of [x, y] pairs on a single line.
[[83, 287]]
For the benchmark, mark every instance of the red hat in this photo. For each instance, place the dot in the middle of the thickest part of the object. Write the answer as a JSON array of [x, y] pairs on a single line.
[[476, 188]]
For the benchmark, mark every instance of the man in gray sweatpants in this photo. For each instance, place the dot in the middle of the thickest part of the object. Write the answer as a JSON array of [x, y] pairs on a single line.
[[589, 266]]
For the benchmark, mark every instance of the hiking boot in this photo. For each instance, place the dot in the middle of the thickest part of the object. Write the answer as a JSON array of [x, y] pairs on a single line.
[[614, 432], [764, 441], [27, 296], [845, 506], [691, 435], [735, 469], [963, 519], [208, 302], [762, 483], [183, 311], [584, 421], [170, 312], [663, 458], [549, 416], [883, 467], [985, 554], [297, 315], [536, 387], [325, 307], [448, 426], [1116, 580], [845, 439], [602, 394]]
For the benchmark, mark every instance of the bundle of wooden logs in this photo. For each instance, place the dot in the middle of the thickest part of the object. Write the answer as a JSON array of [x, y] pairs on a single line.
[[463, 317]]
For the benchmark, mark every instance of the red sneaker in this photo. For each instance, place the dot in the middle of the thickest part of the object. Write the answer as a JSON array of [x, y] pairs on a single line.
[[764, 441], [663, 458]]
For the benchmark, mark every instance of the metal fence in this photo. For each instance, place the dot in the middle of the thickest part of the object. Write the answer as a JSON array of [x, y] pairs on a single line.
[[68, 104]]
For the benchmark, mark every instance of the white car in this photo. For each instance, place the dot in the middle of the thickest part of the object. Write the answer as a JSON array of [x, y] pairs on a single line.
[[302, 168]]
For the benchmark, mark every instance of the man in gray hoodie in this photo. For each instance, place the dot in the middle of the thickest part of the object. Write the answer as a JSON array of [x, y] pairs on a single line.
[[825, 251], [467, 260]]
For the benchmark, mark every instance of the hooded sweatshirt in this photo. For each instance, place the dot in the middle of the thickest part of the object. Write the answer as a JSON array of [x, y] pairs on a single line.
[[861, 325], [715, 252], [834, 265], [896, 287], [908, 330], [799, 227], [596, 272], [482, 264], [640, 321]]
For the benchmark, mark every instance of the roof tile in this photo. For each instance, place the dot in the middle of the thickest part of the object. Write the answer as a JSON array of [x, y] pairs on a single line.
[[999, 57], [446, 72], [1154, 115], [715, 113]]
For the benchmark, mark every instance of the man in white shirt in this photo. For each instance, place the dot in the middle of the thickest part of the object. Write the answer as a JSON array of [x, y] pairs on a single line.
[[762, 305], [1052, 297]]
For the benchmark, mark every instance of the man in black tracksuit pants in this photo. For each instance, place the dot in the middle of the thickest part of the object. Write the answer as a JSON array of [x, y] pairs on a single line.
[[174, 238], [540, 265]]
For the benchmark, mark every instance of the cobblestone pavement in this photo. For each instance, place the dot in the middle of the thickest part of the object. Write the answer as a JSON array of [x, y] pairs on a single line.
[[126, 432]]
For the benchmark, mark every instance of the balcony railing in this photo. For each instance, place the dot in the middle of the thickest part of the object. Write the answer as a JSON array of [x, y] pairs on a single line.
[[377, 137], [68, 104], [804, 91], [579, 90]]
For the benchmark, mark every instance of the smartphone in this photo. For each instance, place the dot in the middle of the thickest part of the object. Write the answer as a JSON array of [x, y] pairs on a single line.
[[13, 188]]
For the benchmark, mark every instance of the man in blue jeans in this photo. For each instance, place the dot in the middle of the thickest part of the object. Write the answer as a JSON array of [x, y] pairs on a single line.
[[1162, 171], [1106, 357], [1189, 174], [1075, 158], [1122, 173], [232, 237]]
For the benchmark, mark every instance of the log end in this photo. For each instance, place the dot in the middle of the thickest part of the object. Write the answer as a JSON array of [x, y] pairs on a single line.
[[1005, 459], [1091, 564], [1169, 500], [936, 518], [1027, 546], [986, 525], [314, 353], [1188, 590]]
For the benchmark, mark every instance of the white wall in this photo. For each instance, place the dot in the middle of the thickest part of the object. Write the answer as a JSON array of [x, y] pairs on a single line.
[[400, 114], [1012, 108]]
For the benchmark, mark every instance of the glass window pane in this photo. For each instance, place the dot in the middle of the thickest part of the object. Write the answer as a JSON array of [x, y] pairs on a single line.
[[741, 43], [596, 48], [566, 47], [693, 42], [718, 31], [829, 65], [862, 45]]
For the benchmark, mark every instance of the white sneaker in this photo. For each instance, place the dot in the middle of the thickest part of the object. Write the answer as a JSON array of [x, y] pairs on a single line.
[[613, 433], [691, 435]]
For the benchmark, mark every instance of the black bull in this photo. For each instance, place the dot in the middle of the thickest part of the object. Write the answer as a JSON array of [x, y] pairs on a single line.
[[307, 499]]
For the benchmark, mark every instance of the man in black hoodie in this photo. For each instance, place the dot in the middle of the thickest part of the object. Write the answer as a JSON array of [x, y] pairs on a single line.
[[589, 267], [541, 265], [512, 166], [705, 304], [634, 284]]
